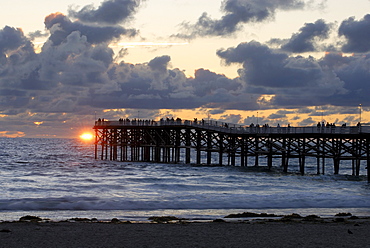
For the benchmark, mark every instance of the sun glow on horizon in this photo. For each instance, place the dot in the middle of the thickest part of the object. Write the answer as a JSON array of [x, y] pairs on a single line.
[[86, 136]]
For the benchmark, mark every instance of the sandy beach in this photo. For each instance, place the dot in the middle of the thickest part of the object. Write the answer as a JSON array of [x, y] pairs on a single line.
[[258, 233]]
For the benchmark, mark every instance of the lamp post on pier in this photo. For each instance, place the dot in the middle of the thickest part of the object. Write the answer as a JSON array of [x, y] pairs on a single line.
[[360, 112]]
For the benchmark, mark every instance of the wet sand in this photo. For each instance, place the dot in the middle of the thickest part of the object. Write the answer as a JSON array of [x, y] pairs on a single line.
[[240, 233]]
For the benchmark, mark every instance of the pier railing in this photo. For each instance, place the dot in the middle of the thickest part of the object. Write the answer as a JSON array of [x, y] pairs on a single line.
[[240, 129]]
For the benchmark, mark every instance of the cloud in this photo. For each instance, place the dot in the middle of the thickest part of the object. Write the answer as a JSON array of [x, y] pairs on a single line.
[[306, 39], [357, 34], [11, 39], [263, 66], [60, 27], [159, 63], [295, 81], [236, 13], [16, 58], [76, 73], [12, 134], [75, 61], [109, 12], [153, 86], [300, 81], [207, 82], [280, 114], [307, 122], [354, 71], [37, 34], [232, 118]]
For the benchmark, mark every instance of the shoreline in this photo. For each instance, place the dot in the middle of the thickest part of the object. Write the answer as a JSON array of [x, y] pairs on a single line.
[[195, 214], [166, 231]]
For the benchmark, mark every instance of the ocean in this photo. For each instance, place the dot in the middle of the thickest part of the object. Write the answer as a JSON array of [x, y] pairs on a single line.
[[59, 179]]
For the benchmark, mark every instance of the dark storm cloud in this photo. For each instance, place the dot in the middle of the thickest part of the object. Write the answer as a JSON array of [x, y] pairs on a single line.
[[266, 68], [54, 79], [109, 12], [357, 34], [354, 71], [216, 111], [153, 86], [295, 81], [238, 12], [16, 59], [11, 39], [276, 116], [75, 61], [60, 26], [207, 82], [305, 40], [159, 63], [300, 81]]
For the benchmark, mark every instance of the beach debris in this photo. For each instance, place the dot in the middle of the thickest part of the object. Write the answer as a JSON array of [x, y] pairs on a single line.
[[219, 220], [164, 219], [349, 231], [115, 220], [30, 218], [311, 217], [343, 214], [293, 216], [5, 230], [250, 215]]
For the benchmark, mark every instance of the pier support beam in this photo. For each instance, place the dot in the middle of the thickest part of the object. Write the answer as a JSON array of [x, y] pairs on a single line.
[[368, 160], [269, 156], [302, 157], [256, 151], [188, 145], [199, 145], [209, 148], [221, 149], [283, 156], [232, 150], [242, 152], [288, 151]]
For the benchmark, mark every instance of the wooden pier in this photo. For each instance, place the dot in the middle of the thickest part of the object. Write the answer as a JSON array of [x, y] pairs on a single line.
[[169, 141]]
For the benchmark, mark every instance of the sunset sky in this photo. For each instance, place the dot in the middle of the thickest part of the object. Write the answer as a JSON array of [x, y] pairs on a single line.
[[65, 63]]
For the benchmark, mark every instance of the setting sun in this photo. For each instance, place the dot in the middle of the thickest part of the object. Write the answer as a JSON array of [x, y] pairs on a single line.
[[86, 136]]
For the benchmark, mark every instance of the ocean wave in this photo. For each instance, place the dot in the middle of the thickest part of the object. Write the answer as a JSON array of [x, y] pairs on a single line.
[[205, 202]]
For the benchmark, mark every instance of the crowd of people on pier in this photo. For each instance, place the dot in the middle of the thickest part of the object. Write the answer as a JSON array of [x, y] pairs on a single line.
[[321, 126], [332, 125]]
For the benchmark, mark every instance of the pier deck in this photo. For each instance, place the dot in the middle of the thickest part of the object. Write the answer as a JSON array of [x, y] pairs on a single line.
[[175, 141]]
